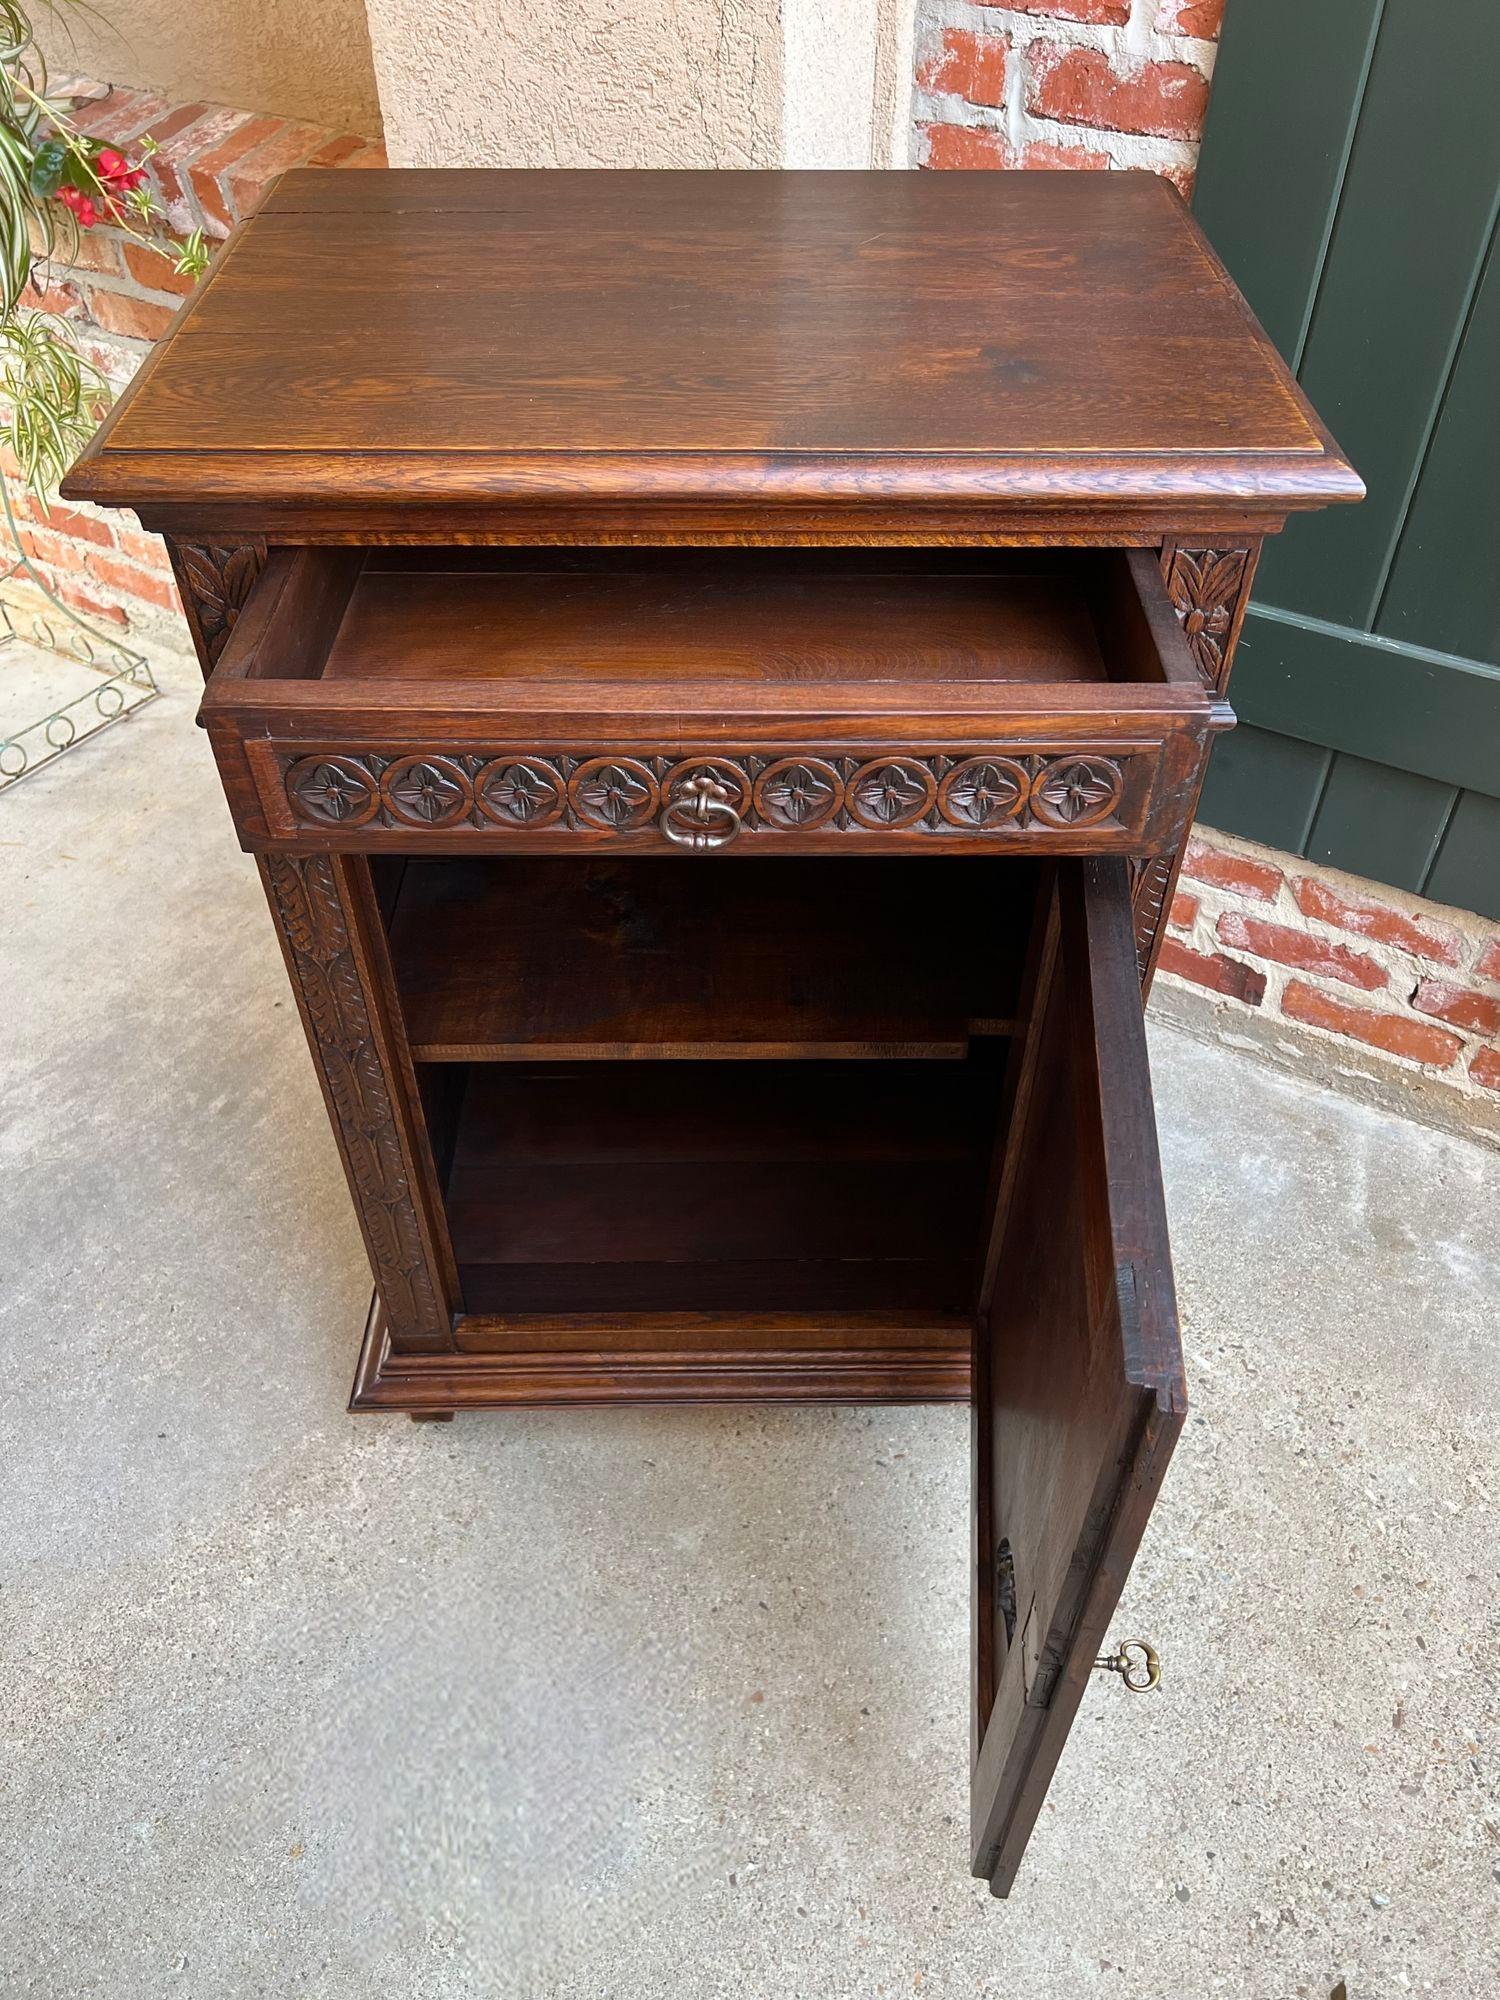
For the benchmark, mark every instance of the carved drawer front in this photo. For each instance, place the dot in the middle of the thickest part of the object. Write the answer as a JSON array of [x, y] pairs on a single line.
[[684, 700]]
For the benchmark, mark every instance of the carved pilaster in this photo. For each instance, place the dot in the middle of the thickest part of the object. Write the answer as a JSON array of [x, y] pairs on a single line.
[[1210, 590], [320, 909], [215, 579]]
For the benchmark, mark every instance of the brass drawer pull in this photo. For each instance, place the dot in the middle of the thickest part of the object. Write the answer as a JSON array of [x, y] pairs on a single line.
[[1136, 1661], [700, 814]]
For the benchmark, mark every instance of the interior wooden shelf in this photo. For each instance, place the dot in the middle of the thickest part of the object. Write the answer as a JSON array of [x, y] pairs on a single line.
[[760, 615], [512, 960], [658, 1187]]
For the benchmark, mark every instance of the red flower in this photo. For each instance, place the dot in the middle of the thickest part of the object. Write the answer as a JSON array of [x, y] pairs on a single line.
[[110, 164], [82, 205]]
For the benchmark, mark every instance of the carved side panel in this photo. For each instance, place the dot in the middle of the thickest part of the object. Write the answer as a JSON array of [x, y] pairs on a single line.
[[362, 1087], [1209, 589], [215, 579]]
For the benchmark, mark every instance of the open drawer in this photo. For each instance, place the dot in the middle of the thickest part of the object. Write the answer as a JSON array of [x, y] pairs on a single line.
[[771, 700]]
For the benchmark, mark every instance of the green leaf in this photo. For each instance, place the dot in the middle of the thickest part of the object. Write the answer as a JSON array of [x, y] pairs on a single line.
[[47, 165]]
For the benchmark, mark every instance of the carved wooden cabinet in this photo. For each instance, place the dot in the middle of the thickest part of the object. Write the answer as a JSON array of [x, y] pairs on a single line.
[[716, 672]]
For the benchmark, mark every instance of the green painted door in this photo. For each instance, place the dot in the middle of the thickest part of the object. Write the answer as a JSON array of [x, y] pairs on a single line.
[[1350, 180]]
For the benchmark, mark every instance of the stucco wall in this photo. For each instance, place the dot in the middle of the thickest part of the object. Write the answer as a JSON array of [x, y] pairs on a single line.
[[294, 58], [621, 83]]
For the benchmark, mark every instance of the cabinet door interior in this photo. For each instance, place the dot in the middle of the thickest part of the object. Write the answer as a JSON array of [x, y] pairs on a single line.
[[1078, 1384]]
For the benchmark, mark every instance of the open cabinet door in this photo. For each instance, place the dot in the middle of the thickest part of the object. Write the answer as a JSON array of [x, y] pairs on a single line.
[[1078, 1391]]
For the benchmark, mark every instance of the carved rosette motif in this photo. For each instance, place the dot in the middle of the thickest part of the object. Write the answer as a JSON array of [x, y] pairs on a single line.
[[984, 791], [426, 791], [890, 792], [1205, 587], [516, 791], [215, 580], [798, 792], [999, 793], [614, 794], [1075, 791], [335, 791], [305, 895]]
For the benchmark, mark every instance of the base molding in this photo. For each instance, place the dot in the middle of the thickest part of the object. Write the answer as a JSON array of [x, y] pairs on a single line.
[[569, 1361]]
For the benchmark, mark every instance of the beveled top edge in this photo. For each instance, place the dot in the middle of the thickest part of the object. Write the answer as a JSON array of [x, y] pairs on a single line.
[[1264, 480]]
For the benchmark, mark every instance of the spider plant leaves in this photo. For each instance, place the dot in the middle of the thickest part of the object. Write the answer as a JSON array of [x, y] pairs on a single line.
[[16, 207], [53, 396]]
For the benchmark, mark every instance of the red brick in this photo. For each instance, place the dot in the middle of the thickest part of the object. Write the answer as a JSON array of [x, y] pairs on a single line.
[[1108, 13], [964, 146], [182, 143], [338, 150], [1184, 912], [1201, 18], [71, 593], [82, 527], [146, 549], [374, 155], [134, 319], [43, 548], [1232, 871], [1489, 961], [1459, 1006], [1222, 975], [1183, 177], [967, 65], [133, 582], [92, 250], [1082, 87], [57, 298], [244, 135], [153, 270], [1397, 1034], [290, 148], [173, 131], [1044, 155], [1302, 950], [179, 135], [122, 116], [1485, 1068], [1378, 921]]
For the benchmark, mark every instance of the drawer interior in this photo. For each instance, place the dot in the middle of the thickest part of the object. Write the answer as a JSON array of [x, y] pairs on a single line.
[[773, 616]]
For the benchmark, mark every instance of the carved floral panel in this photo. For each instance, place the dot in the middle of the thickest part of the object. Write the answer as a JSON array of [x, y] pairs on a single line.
[[305, 897], [1000, 792], [1205, 586]]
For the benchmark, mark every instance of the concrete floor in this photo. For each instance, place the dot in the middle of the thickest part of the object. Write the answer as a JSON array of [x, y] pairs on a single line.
[[674, 1704]]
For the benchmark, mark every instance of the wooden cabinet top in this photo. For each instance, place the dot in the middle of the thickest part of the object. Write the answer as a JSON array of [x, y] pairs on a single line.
[[560, 342]]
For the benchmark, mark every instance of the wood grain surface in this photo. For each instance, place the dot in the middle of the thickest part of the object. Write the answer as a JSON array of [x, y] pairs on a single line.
[[425, 338]]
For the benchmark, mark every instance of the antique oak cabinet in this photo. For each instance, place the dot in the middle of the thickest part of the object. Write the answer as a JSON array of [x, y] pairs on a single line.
[[715, 672]]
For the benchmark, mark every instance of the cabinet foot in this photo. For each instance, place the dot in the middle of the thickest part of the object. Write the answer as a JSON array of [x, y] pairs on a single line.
[[431, 1416]]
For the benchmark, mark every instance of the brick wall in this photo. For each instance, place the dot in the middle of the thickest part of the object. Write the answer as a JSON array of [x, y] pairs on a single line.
[[1088, 84], [213, 165], [1381, 985]]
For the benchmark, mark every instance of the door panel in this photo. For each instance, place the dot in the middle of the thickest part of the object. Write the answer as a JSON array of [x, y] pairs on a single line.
[[1078, 1390]]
